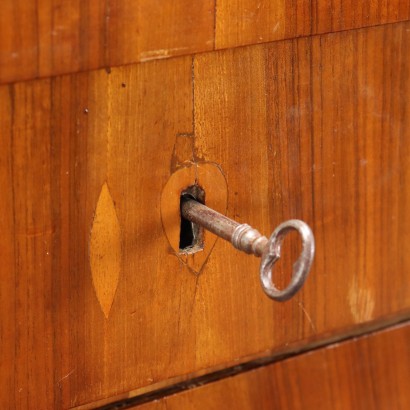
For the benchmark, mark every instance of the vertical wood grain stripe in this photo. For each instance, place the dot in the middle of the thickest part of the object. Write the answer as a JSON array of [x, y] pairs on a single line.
[[41, 39], [316, 129]]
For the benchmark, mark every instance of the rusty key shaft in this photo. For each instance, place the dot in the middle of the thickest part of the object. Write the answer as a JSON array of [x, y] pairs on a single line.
[[242, 236], [249, 240]]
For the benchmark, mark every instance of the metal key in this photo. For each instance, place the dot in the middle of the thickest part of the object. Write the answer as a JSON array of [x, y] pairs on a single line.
[[247, 239]]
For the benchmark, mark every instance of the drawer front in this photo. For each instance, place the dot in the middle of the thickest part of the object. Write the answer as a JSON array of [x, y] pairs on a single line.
[[66, 37], [357, 374], [313, 128]]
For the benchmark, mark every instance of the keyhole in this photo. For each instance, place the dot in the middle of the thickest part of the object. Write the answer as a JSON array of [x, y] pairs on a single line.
[[191, 235]]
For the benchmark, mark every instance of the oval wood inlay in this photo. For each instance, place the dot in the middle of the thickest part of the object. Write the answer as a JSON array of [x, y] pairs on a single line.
[[105, 250]]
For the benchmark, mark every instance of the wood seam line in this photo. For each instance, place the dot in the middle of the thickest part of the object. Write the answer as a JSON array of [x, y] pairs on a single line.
[[199, 52], [214, 376]]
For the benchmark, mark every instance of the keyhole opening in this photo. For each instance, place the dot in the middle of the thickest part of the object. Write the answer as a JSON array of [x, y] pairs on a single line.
[[191, 235]]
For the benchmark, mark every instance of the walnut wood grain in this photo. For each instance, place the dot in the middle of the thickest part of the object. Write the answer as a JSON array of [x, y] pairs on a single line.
[[313, 128], [45, 38], [371, 372]]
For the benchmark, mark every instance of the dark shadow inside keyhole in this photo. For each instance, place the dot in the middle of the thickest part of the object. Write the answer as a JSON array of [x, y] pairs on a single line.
[[191, 235]]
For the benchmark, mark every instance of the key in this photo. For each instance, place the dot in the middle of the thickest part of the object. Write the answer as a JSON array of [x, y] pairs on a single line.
[[247, 239]]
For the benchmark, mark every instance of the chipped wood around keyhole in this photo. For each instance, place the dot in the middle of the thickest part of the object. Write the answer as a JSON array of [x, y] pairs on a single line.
[[211, 179], [105, 250]]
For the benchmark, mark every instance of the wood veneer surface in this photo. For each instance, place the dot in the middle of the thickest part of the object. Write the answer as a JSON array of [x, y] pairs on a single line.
[[45, 38], [313, 128], [371, 372]]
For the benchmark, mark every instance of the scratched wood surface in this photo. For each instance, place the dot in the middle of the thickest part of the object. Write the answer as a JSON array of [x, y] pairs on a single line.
[[314, 128], [368, 373], [44, 38]]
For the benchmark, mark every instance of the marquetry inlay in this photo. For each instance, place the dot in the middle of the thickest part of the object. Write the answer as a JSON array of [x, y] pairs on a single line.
[[105, 250]]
